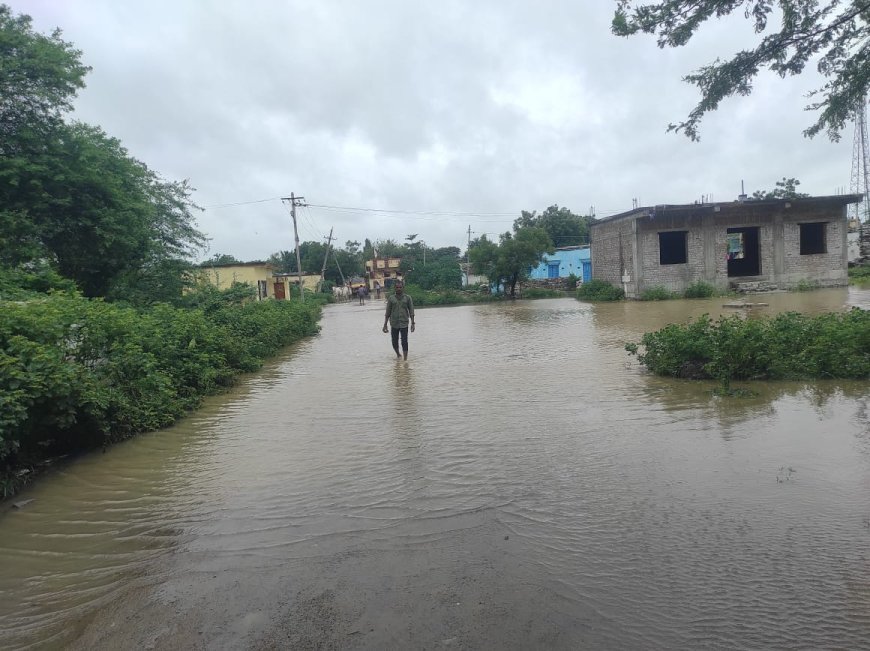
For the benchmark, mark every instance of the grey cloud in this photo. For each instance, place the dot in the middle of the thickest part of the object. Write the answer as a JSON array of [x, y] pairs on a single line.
[[457, 107]]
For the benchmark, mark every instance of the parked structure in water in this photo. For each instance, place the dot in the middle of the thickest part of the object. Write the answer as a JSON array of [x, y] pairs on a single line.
[[740, 245]]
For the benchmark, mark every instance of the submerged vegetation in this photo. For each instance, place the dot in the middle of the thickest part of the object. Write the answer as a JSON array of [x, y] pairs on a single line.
[[789, 346]]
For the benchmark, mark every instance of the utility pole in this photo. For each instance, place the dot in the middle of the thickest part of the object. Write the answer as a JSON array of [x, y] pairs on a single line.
[[860, 183], [466, 255], [293, 199], [323, 268]]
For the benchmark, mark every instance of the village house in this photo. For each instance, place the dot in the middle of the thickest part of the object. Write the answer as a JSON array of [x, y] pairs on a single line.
[[745, 245], [257, 274], [564, 262], [383, 271]]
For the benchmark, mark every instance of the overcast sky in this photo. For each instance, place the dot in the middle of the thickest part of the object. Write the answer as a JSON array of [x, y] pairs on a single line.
[[450, 114]]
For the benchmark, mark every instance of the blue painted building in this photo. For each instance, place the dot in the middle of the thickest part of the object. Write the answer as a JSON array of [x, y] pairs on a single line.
[[563, 262]]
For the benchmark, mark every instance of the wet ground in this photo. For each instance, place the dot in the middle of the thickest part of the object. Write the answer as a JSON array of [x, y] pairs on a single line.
[[518, 483]]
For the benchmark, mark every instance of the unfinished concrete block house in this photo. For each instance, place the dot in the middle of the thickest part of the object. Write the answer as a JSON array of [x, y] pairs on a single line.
[[742, 245]]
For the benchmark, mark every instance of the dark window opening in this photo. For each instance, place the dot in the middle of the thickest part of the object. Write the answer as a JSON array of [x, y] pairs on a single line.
[[672, 247], [813, 238]]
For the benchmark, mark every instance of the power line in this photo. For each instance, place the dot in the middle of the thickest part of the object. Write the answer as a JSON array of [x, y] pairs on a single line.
[[435, 213], [242, 203]]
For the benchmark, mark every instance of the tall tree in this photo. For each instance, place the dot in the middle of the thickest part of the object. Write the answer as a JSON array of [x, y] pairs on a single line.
[[483, 257], [69, 193], [520, 251], [508, 262], [39, 77], [835, 32], [96, 212], [564, 227]]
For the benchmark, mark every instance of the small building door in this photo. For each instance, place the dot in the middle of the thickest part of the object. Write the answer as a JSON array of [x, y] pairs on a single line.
[[587, 271], [553, 270], [743, 252], [279, 291]]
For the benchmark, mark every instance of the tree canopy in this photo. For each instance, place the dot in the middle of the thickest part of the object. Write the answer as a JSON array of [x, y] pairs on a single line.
[[508, 262], [71, 196], [785, 189], [835, 32], [39, 77], [564, 227]]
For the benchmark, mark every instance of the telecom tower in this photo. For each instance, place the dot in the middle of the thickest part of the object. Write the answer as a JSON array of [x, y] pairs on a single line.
[[860, 184]]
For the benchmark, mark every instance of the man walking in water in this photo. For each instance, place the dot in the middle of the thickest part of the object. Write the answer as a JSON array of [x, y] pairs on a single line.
[[400, 311]]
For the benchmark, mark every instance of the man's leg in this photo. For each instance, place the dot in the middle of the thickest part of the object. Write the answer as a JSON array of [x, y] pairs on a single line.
[[394, 333], [404, 332]]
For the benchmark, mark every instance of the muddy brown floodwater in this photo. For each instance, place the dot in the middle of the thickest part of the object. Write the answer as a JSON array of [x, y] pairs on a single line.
[[518, 483]]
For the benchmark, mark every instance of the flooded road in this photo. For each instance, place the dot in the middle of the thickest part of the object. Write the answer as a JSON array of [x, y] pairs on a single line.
[[519, 483]]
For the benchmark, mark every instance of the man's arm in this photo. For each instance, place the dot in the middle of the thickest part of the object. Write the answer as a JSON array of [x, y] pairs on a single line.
[[387, 314], [411, 311]]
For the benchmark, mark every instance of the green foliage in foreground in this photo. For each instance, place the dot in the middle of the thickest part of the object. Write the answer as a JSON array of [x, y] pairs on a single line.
[[789, 346], [598, 290], [77, 373]]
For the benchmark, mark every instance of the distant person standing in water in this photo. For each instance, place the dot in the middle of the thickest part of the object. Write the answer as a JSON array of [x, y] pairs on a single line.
[[400, 311], [361, 292]]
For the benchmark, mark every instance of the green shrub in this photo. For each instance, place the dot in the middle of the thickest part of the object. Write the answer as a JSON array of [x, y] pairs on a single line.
[[699, 290], [657, 293], [573, 279], [21, 284], [789, 346], [76, 373], [599, 290]]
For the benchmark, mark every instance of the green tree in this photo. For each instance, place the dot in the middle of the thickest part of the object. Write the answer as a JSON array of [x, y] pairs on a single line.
[[221, 259], [441, 270], [785, 189], [832, 32], [509, 261], [564, 227], [520, 251], [70, 194], [387, 248], [93, 210], [39, 77], [483, 257]]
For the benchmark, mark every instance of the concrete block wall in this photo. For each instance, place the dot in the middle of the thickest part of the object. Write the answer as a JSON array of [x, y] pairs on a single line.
[[605, 250], [673, 277], [826, 269]]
